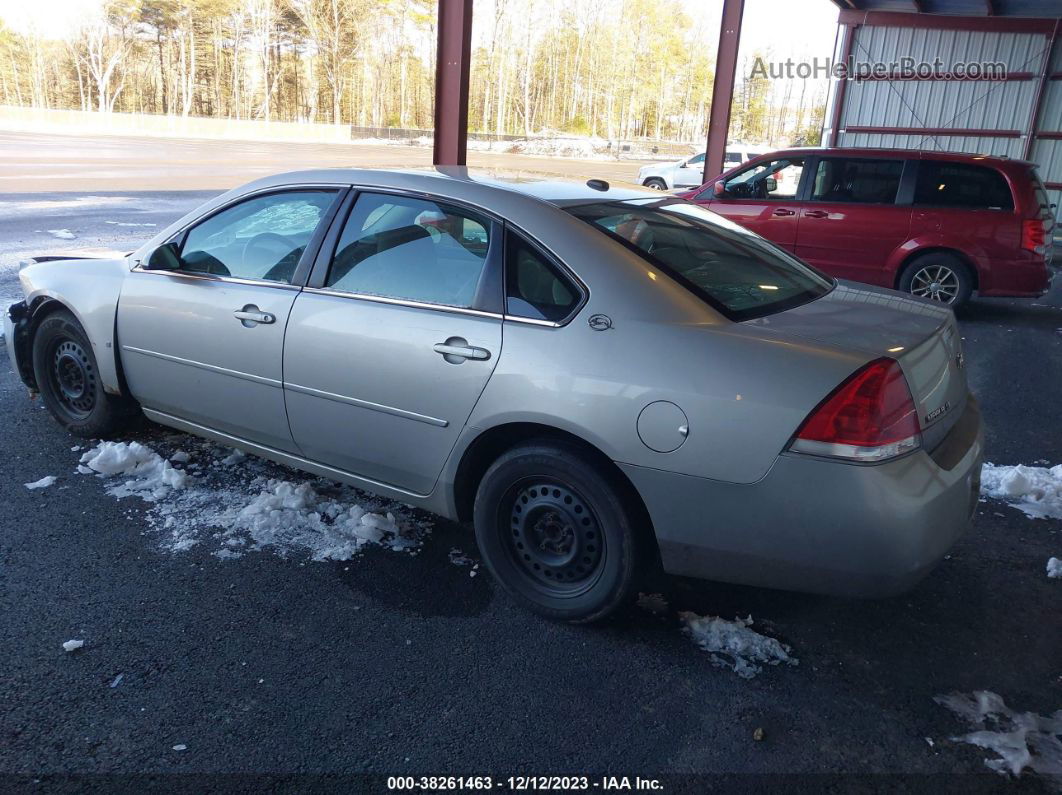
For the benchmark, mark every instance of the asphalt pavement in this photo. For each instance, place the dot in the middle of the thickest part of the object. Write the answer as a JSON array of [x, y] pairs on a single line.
[[399, 664]]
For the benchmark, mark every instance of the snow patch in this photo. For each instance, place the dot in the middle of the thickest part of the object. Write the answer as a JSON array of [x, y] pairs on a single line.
[[62, 234], [1037, 491], [232, 502], [1019, 739], [73, 645], [1054, 568], [732, 644], [43, 483], [126, 223]]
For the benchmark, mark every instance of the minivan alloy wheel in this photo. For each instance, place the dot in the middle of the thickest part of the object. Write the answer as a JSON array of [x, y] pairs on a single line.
[[936, 282]]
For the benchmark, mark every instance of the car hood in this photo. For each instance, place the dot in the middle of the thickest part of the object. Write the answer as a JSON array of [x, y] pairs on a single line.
[[79, 254], [920, 335]]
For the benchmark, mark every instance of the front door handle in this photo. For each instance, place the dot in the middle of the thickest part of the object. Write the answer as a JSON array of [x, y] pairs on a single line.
[[250, 316], [815, 214], [456, 349], [783, 211]]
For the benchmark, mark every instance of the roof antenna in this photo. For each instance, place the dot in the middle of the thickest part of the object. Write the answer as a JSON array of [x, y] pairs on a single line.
[[597, 184]]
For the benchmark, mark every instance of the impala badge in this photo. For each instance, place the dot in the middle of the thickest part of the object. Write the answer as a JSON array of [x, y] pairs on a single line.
[[937, 412]]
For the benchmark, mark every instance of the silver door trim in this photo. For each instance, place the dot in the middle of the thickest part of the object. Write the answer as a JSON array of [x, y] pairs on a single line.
[[365, 404], [383, 299], [288, 459], [213, 368], [210, 277]]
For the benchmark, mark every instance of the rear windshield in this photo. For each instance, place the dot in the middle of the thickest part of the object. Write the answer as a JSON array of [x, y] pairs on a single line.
[[737, 272]]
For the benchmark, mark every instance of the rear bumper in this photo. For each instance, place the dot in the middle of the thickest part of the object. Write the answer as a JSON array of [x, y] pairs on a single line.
[[1019, 278], [821, 526]]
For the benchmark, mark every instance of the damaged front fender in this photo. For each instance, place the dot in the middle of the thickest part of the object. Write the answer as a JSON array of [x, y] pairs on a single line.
[[17, 322]]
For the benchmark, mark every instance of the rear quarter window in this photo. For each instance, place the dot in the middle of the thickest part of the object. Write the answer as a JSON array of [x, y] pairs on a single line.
[[944, 184]]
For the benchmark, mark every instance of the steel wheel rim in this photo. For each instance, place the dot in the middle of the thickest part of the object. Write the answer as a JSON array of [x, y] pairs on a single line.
[[937, 283], [73, 378], [552, 536]]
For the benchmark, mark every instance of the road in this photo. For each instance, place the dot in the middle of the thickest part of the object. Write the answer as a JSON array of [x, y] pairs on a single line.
[[394, 663]]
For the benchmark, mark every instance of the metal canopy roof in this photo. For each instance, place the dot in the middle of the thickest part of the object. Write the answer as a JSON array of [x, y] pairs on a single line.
[[970, 8]]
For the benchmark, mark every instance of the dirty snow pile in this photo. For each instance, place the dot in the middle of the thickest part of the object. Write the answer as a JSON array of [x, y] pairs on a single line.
[[1020, 739], [732, 644], [1035, 490], [216, 494]]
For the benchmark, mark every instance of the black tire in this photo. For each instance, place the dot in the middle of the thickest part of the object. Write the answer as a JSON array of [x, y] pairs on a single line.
[[67, 376], [938, 276], [655, 183], [556, 533]]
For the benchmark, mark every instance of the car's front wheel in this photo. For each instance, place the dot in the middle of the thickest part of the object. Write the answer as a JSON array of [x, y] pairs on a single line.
[[655, 183], [556, 533], [67, 376]]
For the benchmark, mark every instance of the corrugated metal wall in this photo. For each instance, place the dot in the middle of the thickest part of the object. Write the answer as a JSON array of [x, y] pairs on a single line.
[[978, 106]]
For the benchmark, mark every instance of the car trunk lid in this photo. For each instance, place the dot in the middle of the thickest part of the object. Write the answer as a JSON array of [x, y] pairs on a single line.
[[920, 335]]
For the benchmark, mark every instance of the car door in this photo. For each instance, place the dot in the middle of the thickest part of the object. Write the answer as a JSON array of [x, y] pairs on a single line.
[[855, 217], [393, 340], [204, 341], [763, 197], [690, 173]]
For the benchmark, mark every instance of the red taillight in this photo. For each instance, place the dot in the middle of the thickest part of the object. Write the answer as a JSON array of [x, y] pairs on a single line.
[[870, 417], [1034, 236]]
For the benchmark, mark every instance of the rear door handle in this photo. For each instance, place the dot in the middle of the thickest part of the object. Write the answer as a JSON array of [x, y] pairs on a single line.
[[251, 316], [783, 211], [455, 350], [815, 213]]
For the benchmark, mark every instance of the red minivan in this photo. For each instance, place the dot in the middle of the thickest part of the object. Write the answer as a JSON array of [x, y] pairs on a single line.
[[936, 224]]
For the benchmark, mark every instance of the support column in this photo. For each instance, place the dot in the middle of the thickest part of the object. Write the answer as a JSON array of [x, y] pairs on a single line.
[[1038, 99], [452, 65], [723, 86]]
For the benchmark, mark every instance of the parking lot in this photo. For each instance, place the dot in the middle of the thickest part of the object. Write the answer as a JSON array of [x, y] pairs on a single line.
[[405, 660]]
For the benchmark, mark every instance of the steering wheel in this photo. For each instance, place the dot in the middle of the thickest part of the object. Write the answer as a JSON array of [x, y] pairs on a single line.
[[268, 248]]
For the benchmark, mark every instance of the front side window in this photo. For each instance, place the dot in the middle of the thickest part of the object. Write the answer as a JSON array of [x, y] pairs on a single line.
[[840, 179], [696, 160], [734, 270], [411, 249], [534, 288], [943, 184], [261, 239], [769, 179]]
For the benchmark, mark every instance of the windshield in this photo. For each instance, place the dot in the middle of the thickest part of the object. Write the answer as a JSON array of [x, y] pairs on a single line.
[[739, 273]]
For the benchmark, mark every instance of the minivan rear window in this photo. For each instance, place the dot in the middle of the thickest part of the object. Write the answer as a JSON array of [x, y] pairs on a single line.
[[735, 271], [944, 184]]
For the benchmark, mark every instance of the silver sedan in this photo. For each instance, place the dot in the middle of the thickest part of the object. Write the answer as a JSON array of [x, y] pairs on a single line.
[[597, 379]]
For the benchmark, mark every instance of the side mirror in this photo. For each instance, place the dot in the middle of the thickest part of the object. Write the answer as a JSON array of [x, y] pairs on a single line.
[[771, 184], [719, 189], [684, 164], [164, 258]]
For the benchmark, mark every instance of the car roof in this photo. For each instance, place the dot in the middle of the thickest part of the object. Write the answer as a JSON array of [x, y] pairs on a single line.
[[921, 154], [471, 185]]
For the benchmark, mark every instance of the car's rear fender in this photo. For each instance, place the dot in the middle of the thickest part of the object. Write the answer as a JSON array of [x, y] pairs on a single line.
[[970, 252], [89, 289]]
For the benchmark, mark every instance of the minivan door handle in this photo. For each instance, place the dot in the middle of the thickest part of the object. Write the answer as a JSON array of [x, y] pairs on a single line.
[[250, 316], [456, 349], [783, 211], [815, 213]]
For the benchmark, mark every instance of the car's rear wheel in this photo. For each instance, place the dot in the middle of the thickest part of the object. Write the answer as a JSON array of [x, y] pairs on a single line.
[[938, 276], [67, 376], [655, 183], [556, 533]]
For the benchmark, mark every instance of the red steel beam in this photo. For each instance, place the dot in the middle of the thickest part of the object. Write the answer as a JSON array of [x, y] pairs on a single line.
[[927, 131], [452, 64], [1038, 99], [900, 77], [723, 86], [847, 44]]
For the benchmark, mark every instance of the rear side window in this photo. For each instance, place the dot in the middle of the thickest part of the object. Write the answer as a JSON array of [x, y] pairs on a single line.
[[858, 181], [411, 249], [534, 288], [737, 272], [944, 184]]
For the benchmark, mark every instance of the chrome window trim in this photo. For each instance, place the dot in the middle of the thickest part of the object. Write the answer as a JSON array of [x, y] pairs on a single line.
[[383, 299], [211, 277]]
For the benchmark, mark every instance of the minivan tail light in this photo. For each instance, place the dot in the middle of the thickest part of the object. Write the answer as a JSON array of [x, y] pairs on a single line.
[[869, 418], [1034, 236]]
